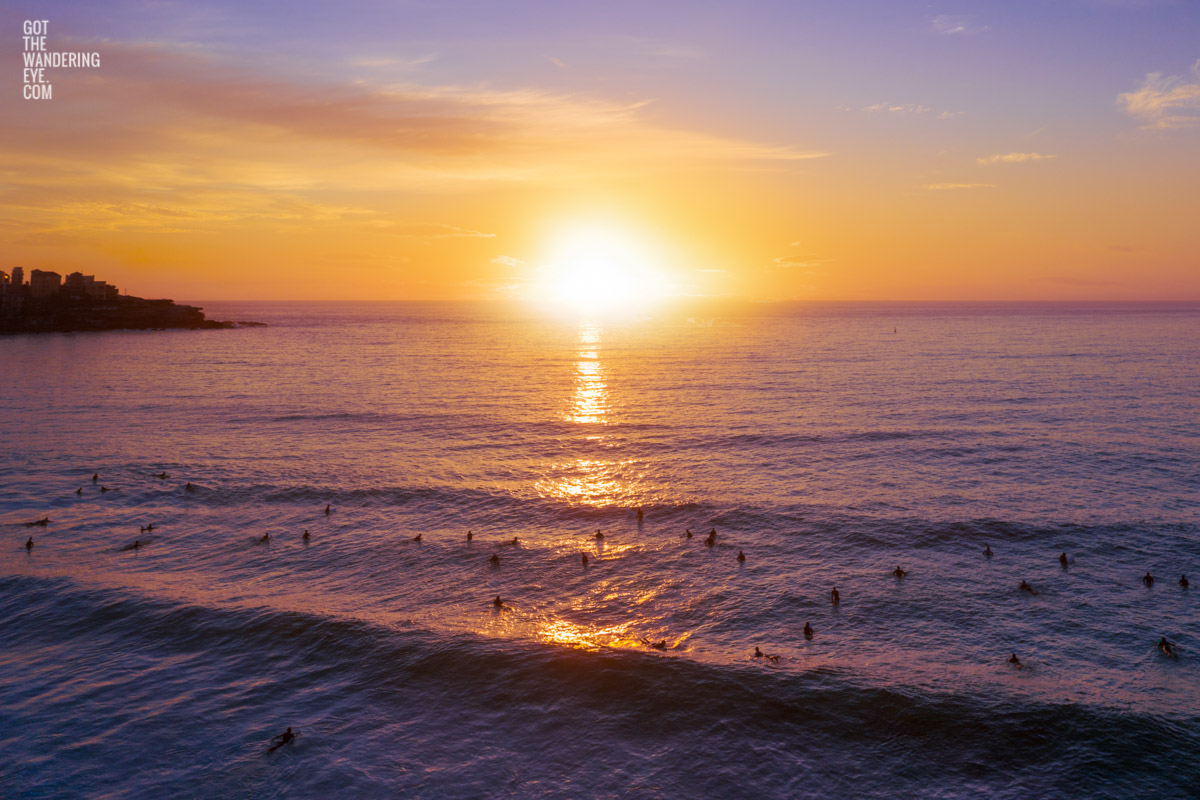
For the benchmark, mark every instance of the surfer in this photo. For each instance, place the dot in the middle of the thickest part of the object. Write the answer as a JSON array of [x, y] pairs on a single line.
[[640, 514], [305, 537], [689, 533], [29, 544], [1148, 579], [585, 559], [470, 536], [711, 539], [598, 535], [498, 603], [417, 538], [741, 556], [515, 541], [79, 490], [162, 476], [899, 573], [834, 597], [103, 489], [1183, 581], [327, 511], [189, 487], [808, 631], [495, 559], [150, 528], [1016, 662], [1168, 648], [266, 537], [283, 738], [987, 551], [1025, 587], [95, 477], [659, 645], [136, 544], [1062, 559], [760, 654]]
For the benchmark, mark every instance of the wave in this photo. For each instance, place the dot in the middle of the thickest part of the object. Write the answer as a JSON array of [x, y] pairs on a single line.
[[660, 695]]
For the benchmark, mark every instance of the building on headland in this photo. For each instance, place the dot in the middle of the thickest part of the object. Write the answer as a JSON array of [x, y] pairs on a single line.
[[81, 303], [43, 284]]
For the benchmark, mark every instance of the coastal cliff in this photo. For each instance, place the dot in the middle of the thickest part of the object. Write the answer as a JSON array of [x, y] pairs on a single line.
[[86, 305]]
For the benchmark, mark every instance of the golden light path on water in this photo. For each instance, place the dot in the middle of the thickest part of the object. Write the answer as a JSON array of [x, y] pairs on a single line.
[[596, 482]]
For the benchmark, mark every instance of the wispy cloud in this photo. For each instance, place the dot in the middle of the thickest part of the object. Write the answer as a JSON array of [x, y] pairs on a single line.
[[508, 261], [942, 187], [957, 25], [1170, 101], [437, 230], [898, 108], [1014, 158], [798, 262]]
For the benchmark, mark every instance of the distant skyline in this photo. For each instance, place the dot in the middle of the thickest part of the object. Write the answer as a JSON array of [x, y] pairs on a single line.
[[773, 151]]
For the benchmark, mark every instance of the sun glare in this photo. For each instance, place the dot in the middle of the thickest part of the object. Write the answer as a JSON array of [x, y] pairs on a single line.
[[592, 271]]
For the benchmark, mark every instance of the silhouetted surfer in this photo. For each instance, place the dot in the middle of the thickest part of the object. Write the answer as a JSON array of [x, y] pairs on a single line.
[[417, 538], [470, 536], [284, 738], [189, 487], [29, 544], [1168, 648], [1062, 559], [266, 537], [515, 541], [43, 522], [150, 528], [498, 603], [1148, 579], [689, 533], [327, 509], [495, 559], [659, 645], [898, 573], [808, 631], [1183, 581], [95, 477], [79, 490], [834, 597], [1025, 587], [741, 556], [162, 476], [987, 551], [585, 559], [305, 537], [760, 654], [711, 539], [640, 514], [599, 535], [103, 489], [1016, 662]]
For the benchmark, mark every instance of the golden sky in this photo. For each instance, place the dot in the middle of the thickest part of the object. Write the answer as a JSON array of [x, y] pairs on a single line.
[[767, 151]]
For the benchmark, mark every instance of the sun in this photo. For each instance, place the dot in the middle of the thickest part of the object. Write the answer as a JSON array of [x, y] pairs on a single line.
[[592, 269]]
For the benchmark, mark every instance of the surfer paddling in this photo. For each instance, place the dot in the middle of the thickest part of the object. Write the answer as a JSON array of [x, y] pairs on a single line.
[[284, 738]]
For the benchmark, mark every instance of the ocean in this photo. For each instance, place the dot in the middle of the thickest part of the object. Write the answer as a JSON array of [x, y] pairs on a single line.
[[830, 444]]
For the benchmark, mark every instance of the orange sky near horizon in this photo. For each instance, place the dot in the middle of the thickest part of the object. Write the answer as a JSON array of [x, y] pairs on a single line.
[[202, 170]]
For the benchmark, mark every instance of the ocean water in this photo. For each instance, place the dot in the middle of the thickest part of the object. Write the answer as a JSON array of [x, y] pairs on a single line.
[[830, 444]]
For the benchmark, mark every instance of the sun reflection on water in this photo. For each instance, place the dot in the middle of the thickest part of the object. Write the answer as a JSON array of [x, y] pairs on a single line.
[[589, 404]]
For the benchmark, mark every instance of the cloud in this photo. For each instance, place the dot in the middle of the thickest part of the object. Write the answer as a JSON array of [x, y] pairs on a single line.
[[939, 187], [437, 230], [950, 114], [798, 262], [1014, 158], [893, 108], [508, 261], [556, 62], [1165, 102], [956, 25]]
